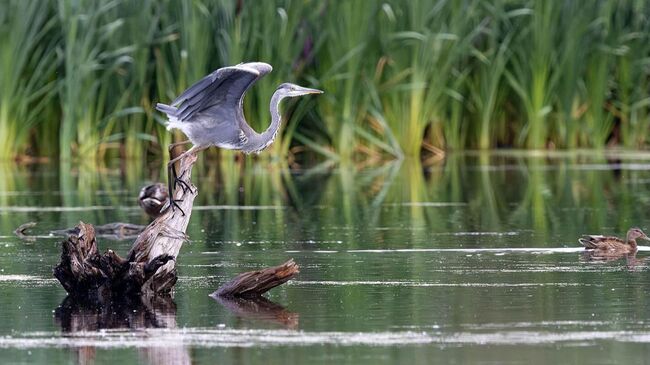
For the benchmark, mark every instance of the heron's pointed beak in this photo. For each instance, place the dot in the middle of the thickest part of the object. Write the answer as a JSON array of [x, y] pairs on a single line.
[[306, 90]]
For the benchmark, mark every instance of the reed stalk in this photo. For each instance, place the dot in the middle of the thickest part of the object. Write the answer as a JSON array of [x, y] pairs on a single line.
[[81, 77], [27, 62]]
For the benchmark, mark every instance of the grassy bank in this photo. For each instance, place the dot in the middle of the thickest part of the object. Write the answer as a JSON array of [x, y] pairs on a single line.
[[414, 78]]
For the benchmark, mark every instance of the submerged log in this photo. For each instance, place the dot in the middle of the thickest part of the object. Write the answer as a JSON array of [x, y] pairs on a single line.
[[253, 284], [152, 199], [116, 231]]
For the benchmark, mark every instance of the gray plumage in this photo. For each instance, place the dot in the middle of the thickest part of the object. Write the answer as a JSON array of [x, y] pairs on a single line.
[[210, 113]]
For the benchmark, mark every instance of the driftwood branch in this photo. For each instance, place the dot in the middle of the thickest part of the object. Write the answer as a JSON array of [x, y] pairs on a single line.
[[253, 284]]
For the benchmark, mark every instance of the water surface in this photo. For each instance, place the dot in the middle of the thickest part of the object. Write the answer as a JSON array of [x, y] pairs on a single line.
[[474, 260]]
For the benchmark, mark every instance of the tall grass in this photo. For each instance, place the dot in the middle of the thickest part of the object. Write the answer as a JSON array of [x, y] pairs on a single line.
[[27, 62], [631, 73], [485, 83], [533, 74], [574, 50], [135, 122], [344, 67], [90, 64], [425, 44], [400, 77]]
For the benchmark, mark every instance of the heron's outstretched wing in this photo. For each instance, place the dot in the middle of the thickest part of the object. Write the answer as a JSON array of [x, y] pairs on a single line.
[[217, 96]]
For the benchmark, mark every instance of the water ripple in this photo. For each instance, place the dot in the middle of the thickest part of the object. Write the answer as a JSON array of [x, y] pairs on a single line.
[[207, 337], [426, 284]]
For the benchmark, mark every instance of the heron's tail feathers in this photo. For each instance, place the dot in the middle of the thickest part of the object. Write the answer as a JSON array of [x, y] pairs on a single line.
[[171, 115], [166, 108]]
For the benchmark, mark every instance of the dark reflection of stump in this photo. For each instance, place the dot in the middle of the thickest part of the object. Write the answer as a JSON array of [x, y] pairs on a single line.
[[157, 312], [259, 308]]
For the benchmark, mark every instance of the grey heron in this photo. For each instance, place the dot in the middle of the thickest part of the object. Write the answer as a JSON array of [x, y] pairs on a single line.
[[210, 113]]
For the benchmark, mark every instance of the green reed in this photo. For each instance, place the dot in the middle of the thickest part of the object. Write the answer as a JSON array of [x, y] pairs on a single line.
[[135, 123], [344, 64], [27, 64], [88, 91], [424, 44], [533, 71], [631, 72], [81, 78], [569, 105], [486, 80]]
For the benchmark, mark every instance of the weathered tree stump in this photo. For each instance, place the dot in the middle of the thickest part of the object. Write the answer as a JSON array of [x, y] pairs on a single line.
[[166, 234], [149, 267]]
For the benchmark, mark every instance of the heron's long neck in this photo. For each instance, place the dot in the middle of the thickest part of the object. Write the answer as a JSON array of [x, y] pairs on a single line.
[[269, 134]]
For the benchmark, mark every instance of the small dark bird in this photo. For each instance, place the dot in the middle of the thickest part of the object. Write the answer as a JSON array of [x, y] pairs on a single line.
[[152, 198], [210, 113], [613, 245]]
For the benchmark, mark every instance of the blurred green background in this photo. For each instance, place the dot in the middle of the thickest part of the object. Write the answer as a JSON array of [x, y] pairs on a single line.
[[78, 79]]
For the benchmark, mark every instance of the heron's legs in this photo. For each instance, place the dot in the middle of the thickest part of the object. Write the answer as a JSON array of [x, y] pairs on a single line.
[[171, 174], [176, 144], [172, 202], [178, 179]]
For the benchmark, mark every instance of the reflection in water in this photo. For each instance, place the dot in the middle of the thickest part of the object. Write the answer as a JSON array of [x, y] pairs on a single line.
[[81, 318], [261, 309], [116, 231], [631, 261], [548, 194], [482, 238]]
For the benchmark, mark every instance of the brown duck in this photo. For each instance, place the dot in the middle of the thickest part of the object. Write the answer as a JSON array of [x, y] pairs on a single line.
[[152, 198], [609, 244]]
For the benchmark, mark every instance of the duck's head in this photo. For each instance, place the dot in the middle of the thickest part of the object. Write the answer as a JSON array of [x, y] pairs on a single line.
[[152, 198], [634, 233]]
